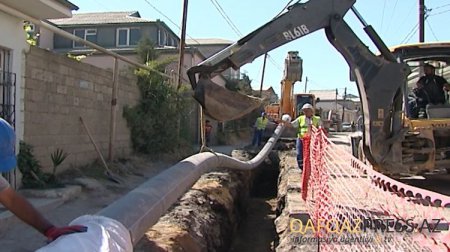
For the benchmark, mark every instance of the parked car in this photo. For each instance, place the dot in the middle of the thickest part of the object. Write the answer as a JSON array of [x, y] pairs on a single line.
[[346, 127]]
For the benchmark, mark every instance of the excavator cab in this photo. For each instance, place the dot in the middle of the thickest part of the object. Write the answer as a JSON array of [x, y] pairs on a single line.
[[426, 147]]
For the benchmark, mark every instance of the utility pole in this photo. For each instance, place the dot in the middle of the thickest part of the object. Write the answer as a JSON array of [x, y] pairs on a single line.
[[182, 43], [181, 60], [421, 29], [421, 20], [343, 104], [262, 77], [335, 100], [306, 83]]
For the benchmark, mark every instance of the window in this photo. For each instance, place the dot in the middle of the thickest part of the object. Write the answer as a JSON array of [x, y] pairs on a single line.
[[159, 37], [86, 34], [166, 38], [127, 36]]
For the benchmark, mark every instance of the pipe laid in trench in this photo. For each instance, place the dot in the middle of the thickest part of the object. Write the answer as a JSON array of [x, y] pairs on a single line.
[[142, 207]]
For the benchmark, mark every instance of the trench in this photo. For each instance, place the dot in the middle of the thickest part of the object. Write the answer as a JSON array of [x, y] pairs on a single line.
[[256, 230], [224, 210]]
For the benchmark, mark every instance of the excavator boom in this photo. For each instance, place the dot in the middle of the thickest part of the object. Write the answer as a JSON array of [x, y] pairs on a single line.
[[379, 79]]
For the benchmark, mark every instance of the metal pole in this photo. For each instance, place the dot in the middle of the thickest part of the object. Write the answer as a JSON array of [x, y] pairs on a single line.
[[306, 83], [335, 101], [343, 104], [182, 42], [72, 37], [112, 125], [262, 77]]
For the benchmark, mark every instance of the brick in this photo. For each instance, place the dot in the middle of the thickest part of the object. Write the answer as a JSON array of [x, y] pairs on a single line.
[[61, 89], [63, 70]]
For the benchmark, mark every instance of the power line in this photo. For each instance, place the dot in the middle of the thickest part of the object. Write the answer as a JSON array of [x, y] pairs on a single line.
[[225, 16], [411, 33], [431, 29], [442, 6], [406, 17], [274, 63], [170, 20], [285, 7], [392, 15], [102, 5], [442, 12], [382, 15]]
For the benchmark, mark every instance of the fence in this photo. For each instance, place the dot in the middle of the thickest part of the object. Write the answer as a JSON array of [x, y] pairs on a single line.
[[355, 208]]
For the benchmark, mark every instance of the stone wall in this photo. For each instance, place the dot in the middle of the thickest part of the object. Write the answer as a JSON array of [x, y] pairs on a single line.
[[58, 90]]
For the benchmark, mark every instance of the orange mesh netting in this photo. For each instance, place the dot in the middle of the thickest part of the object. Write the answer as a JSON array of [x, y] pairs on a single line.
[[342, 193]]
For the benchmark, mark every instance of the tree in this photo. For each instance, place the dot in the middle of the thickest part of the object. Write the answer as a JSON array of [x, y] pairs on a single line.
[[242, 85], [146, 50]]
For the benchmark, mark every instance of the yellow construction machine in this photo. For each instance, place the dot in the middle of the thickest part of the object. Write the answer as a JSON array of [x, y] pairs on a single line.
[[390, 141], [426, 147], [290, 103]]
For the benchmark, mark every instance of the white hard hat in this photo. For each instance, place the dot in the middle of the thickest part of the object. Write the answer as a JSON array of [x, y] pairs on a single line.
[[307, 106]]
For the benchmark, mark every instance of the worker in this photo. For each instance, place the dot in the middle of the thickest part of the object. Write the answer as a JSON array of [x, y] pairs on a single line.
[[208, 130], [303, 123], [13, 201], [259, 128], [430, 89]]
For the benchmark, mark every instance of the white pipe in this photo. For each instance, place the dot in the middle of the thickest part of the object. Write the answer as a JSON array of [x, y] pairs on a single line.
[[142, 207]]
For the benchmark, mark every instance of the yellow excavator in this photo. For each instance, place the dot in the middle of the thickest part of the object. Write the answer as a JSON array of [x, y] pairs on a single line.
[[290, 103], [387, 137], [427, 146]]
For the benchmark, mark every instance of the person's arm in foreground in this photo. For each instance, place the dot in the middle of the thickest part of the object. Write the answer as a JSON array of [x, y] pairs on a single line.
[[20, 207], [24, 210]]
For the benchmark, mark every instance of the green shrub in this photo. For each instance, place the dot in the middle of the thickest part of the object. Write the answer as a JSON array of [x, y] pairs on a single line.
[[33, 176], [154, 120]]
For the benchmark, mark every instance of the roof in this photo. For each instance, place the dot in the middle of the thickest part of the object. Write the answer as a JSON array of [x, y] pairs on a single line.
[[101, 18], [326, 94], [420, 45], [330, 95], [208, 41], [68, 4], [265, 93], [438, 51]]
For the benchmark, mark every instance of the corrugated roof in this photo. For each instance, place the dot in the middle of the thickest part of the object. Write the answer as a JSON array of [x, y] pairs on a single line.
[[101, 18], [208, 41]]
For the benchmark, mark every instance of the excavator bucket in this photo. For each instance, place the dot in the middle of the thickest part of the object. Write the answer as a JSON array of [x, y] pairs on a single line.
[[222, 104]]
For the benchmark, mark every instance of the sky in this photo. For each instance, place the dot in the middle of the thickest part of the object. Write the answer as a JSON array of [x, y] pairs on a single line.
[[394, 20]]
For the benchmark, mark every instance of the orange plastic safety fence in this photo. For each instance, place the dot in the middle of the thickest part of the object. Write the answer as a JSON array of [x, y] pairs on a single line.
[[355, 208]]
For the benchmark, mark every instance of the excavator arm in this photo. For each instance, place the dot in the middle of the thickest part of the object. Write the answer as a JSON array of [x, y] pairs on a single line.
[[379, 79]]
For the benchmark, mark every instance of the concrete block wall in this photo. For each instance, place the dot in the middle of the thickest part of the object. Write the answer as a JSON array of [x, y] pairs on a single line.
[[58, 90]]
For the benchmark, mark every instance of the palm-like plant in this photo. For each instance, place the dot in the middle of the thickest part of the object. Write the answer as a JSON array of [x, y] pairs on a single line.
[[57, 158]]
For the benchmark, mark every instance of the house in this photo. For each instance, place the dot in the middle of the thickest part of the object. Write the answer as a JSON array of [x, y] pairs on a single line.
[[12, 48], [332, 101], [210, 46], [268, 94], [119, 32]]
